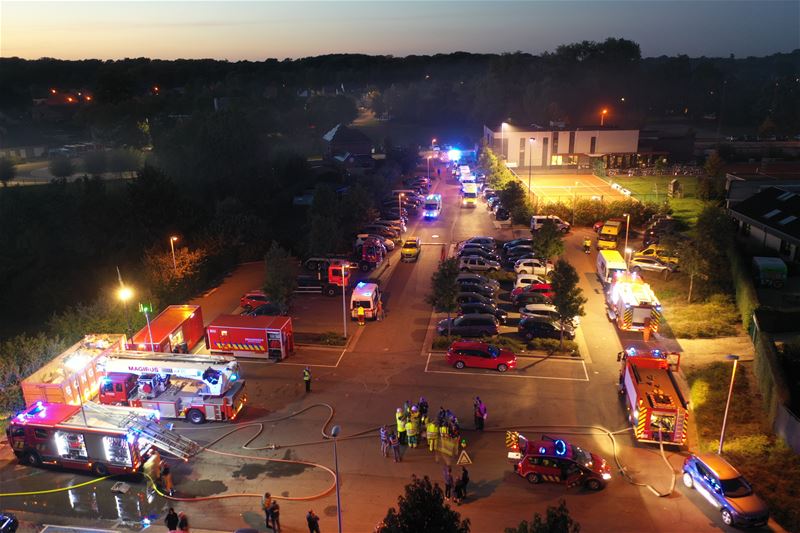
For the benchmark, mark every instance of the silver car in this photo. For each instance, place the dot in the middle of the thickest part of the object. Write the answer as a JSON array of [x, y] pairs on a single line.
[[650, 264], [476, 263]]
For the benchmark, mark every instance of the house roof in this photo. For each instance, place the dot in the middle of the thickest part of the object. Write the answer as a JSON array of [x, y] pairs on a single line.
[[341, 133], [774, 208]]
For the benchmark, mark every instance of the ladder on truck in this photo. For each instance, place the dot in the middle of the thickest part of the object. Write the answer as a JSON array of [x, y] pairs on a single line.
[[141, 421]]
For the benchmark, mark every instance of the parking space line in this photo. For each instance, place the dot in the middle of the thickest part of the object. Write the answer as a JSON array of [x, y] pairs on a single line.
[[506, 374]]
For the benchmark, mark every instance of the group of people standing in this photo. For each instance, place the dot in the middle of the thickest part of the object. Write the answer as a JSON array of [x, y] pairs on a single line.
[[460, 484]]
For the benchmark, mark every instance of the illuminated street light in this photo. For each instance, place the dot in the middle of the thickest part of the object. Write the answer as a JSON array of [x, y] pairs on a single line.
[[735, 359], [603, 114], [172, 246]]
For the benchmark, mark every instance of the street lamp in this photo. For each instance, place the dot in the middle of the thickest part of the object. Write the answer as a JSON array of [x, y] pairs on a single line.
[[603, 114], [335, 430], [735, 359], [503, 139], [400, 204], [429, 169], [345, 266], [531, 140], [172, 247], [125, 293], [627, 227], [628, 253]]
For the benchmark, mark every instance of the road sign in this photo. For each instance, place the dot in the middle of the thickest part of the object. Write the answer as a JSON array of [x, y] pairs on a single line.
[[464, 459]]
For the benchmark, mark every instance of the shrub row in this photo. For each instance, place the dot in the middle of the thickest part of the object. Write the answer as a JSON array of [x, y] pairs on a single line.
[[746, 296]]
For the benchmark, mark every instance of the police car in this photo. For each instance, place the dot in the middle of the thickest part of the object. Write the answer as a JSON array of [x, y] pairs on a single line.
[[724, 488], [556, 461]]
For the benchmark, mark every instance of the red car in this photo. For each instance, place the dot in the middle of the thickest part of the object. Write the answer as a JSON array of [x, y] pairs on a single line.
[[545, 289], [253, 299], [480, 355]]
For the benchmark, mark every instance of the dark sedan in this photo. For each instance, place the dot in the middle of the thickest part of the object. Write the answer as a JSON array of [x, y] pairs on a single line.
[[480, 252], [486, 309], [480, 288], [472, 325], [472, 297]]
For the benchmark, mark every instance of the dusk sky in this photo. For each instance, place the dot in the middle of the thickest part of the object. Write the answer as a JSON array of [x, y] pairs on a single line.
[[260, 30]]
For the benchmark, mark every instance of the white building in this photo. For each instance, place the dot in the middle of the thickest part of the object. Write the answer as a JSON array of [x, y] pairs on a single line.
[[558, 147]]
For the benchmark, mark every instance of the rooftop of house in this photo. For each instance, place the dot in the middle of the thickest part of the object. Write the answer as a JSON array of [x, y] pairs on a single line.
[[775, 208]]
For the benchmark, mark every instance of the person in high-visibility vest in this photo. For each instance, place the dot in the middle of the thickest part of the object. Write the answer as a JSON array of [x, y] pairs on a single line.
[[307, 378], [432, 434], [412, 428], [400, 418], [360, 315]]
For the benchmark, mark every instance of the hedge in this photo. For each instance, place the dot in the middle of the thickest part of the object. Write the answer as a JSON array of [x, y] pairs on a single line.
[[746, 296]]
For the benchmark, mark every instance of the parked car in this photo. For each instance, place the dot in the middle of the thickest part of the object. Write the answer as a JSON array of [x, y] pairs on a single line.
[[650, 264], [483, 290], [464, 297], [477, 264], [502, 214], [662, 253], [519, 250], [523, 280], [472, 277], [387, 243], [490, 309], [537, 221], [488, 191], [516, 242], [544, 310], [397, 224], [543, 328], [475, 246], [383, 231], [724, 488], [542, 288], [253, 299], [478, 325], [482, 241], [527, 298], [267, 309], [462, 354], [491, 202], [539, 267], [479, 252]]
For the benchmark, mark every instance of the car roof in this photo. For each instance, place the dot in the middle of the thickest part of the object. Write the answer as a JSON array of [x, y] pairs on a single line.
[[487, 316], [718, 465], [540, 307], [466, 345]]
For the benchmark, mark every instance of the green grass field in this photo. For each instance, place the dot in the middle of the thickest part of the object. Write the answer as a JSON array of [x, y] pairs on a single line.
[[654, 189]]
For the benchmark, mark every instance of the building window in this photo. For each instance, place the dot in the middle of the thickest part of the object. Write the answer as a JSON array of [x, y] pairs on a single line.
[[556, 160], [572, 142], [522, 152], [555, 142], [592, 145], [544, 151]]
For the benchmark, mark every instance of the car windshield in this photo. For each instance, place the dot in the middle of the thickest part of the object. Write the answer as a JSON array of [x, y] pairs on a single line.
[[410, 245], [582, 457], [736, 487], [493, 350]]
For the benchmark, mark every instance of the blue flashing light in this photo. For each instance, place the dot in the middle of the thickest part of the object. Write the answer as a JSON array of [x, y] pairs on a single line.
[[454, 154], [234, 377], [360, 285], [631, 352], [561, 447], [145, 522], [130, 437], [542, 450], [39, 404], [658, 308], [368, 294], [43, 413]]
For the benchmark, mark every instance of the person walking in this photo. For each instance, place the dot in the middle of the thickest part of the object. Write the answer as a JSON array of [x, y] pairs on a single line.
[[183, 523], [480, 413], [313, 521], [307, 378], [166, 480], [432, 433], [400, 418], [394, 442], [464, 482], [275, 513], [448, 482], [383, 433], [171, 520], [266, 504], [361, 315]]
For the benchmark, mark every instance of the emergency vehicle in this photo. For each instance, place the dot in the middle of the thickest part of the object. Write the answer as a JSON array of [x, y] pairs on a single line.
[[632, 304], [469, 195], [433, 206], [195, 387], [556, 461], [656, 408], [101, 439]]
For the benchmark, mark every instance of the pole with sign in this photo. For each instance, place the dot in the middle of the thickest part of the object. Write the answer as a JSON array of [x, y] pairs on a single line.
[[147, 309]]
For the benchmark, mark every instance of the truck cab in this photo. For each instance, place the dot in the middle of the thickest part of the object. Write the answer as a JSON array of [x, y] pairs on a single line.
[[117, 388], [609, 234]]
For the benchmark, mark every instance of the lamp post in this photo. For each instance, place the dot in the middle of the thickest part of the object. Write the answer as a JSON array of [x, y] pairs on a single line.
[[125, 293], [503, 139], [627, 227], [429, 169], [628, 253], [603, 114], [335, 430], [531, 140], [735, 359], [400, 204], [172, 247]]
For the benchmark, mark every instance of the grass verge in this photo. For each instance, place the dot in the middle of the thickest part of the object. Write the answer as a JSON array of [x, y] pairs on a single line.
[[654, 189], [765, 460], [328, 338]]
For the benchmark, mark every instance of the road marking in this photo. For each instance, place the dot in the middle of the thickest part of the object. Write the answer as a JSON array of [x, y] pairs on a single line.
[[477, 372]]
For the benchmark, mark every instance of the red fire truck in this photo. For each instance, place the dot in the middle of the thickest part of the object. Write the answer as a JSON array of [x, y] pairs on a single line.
[[178, 328], [101, 439], [195, 387], [251, 336], [656, 407]]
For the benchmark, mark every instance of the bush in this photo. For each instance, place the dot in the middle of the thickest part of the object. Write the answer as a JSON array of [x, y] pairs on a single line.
[[551, 346], [20, 357], [716, 317], [501, 276], [746, 295], [441, 342], [331, 338]]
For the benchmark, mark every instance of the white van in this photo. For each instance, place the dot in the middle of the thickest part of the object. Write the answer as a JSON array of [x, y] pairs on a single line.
[[609, 263], [537, 221], [366, 295], [469, 195]]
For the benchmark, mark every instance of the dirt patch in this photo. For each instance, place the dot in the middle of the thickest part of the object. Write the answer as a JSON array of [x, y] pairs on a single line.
[[279, 469]]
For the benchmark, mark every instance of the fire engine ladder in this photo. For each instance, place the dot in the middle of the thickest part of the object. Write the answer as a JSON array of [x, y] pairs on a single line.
[[162, 438]]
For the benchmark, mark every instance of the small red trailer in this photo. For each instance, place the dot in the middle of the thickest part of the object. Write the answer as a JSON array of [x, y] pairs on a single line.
[[178, 328], [251, 336]]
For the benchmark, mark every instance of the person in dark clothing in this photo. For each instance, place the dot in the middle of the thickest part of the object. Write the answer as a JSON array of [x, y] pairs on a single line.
[[171, 521], [275, 513], [464, 482], [313, 522], [183, 522], [448, 482]]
